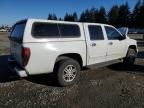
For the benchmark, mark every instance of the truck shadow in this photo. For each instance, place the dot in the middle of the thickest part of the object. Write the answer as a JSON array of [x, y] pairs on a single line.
[[45, 79], [5, 74], [136, 69]]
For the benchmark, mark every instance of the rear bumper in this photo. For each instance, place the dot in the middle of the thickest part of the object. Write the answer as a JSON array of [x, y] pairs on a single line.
[[13, 66]]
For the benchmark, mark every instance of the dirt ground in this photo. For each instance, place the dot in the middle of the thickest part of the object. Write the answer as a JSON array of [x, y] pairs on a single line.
[[114, 86]]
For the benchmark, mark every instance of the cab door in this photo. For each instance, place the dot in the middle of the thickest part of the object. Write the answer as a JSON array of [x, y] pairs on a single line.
[[116, 44], [96, 44]]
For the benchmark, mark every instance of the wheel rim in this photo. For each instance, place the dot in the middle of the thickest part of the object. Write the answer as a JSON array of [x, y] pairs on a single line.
[[69, 73], [133, 54]]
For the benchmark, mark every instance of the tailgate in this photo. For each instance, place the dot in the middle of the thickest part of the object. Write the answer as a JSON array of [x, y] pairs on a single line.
[[16, 41], [16, 51]]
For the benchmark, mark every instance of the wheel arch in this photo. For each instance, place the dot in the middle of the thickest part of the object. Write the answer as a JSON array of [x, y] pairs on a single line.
[[133, 47], [74, 56]]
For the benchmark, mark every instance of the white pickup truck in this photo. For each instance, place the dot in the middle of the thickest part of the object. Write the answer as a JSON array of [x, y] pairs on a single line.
[[63, 48]]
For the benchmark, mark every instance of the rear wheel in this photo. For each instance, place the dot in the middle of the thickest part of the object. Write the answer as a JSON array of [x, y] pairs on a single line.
[[131, 56], [68, 72]]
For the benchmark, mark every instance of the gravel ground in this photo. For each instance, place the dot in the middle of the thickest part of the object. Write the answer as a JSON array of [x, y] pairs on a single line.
[[117, 86]]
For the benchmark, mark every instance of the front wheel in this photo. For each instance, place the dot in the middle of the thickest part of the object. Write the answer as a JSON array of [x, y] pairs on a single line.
[[68, 72], [131, 56]]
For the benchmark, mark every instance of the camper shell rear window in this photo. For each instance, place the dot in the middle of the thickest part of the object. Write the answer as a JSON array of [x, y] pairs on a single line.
[[18, 31]]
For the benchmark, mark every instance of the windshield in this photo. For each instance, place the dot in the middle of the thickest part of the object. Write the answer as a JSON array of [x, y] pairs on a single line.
[[18, 31]]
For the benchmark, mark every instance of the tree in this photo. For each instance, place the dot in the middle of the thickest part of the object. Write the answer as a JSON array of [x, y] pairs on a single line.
[[113, 15], [75, 16], [60, 19], [124, 16], [141, 17], [93, 13], [135, 14], [89, 15], [2, 27], [138, 15], [68, 17], [82, 17], [71, 17], [101, 17], [52, 17]]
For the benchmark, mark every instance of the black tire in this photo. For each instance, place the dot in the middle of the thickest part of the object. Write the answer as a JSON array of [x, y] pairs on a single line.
[[64, 74], [131, 56]]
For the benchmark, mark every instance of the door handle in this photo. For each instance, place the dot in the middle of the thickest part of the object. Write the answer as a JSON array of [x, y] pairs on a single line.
[[110, 43], [93, 44]]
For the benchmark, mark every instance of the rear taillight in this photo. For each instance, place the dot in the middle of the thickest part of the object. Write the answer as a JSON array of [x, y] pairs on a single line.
[[26, 55]]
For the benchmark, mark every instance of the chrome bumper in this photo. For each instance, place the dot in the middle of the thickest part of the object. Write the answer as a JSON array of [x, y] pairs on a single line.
[[15, 68]]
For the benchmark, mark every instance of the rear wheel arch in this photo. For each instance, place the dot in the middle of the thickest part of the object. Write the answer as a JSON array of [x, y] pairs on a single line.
[[74, 56]]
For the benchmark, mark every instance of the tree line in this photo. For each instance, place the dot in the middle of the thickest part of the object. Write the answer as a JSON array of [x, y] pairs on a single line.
[[4, 27], [117, 16]]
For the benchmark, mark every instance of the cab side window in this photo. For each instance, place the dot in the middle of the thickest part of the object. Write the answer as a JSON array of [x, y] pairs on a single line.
[[112, 33], [95, 32]]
